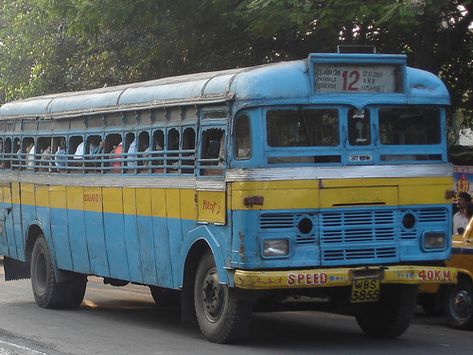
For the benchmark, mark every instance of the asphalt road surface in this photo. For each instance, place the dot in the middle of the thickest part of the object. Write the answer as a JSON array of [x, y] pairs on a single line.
[[125, 320]]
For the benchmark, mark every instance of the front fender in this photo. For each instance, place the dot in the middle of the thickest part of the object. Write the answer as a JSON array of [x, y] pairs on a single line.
[[211, 238]]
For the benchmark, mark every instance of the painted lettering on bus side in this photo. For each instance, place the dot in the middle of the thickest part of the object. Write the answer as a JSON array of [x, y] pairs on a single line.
[[434, 275], [211, 206], [91, 197], [296, 279]]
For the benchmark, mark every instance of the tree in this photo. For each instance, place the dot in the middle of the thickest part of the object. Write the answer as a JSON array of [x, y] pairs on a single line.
[[58, 45]]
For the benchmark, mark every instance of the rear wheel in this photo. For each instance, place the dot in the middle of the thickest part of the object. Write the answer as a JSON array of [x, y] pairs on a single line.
[[47, 292], [391, 315], [222, 317], [459, 304]]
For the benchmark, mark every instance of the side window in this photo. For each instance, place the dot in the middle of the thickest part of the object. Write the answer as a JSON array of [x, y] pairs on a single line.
[[17, 154], [143, 152], [157, 152], [114, 147], [242, 140], [213, 151], [173, 149], [359, 132], [28, 153], [131, 150], [2, 156], [44, 153], [7, 148], [60, 158], [188, 154], [94, 150]]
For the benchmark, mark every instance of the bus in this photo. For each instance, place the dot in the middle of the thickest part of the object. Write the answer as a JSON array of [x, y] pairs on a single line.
[[319, 180]]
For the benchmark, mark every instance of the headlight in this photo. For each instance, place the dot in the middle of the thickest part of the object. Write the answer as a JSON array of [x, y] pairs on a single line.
[[434, 240], [275, 247]]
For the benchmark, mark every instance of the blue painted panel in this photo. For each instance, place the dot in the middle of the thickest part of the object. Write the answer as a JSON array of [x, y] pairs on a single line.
[[162, 251], [77, 232], [116, 246], [60, 238], [133, 248], [10, 236], [3, 235], [145, 236], [18, 233], [96, 244]]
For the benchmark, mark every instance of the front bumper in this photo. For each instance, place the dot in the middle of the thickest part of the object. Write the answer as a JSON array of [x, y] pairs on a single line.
[[334, 277]]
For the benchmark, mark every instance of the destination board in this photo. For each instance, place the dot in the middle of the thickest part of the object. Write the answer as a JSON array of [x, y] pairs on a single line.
[[356, 78]]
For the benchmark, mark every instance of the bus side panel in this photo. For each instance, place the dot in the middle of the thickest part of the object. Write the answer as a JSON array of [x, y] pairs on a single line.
[[115, 233], [76, 229], [189, 217], [173, 219], [28, 209], [94, 228], [42, 213], [18, 231], [145, 235], [9, 232], [131, 235], [59, 233], [161, 238]]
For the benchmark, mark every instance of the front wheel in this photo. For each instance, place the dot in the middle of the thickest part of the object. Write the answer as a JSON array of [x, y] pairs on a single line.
[[391, 315], [459, 304], [47, 292], [222, 317]]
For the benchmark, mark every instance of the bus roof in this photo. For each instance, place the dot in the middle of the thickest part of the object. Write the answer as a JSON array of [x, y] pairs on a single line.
[[271, 83]]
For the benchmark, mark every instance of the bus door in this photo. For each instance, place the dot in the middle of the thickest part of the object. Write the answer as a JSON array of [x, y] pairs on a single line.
[[210, 170]]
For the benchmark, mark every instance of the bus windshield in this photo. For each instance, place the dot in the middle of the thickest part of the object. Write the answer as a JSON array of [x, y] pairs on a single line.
[[409, 126], [303, 128]]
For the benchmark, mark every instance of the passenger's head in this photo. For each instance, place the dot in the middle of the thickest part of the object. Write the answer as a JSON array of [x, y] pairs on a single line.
[[464, 199]]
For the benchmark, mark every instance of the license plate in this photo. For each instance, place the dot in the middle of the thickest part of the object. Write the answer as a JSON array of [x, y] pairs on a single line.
[[365, 290]]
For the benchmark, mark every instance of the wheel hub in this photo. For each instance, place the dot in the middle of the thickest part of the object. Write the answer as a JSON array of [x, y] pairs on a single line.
[[213, 296], [462, 303], [40, 271]]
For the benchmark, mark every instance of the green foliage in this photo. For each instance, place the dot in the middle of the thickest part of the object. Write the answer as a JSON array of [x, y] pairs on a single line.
[[51, 46]]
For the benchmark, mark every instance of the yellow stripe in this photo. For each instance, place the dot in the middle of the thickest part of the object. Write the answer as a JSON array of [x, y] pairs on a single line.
[[92, 197], [42, 196], [74, 197], [112, 200], [315, 194], [143, 205], [129, 201], [57, 197], [15, 192], [27, 194], [173, 201], [329, 277]]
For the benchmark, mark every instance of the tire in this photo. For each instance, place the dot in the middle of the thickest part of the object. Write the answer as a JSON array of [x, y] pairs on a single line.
[[47, 292], [222, 317], [164, 296], [459, 304], [391, 315]]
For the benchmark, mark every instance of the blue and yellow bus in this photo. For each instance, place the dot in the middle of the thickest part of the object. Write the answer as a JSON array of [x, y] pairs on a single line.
[[323, 178]]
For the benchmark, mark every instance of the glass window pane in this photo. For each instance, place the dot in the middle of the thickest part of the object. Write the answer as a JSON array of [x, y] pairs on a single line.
[[302, 128], [409, 126], [242, 138], [359, 132]]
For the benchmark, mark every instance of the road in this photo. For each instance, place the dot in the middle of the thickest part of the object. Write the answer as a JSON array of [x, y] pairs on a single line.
[[126, 321]]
